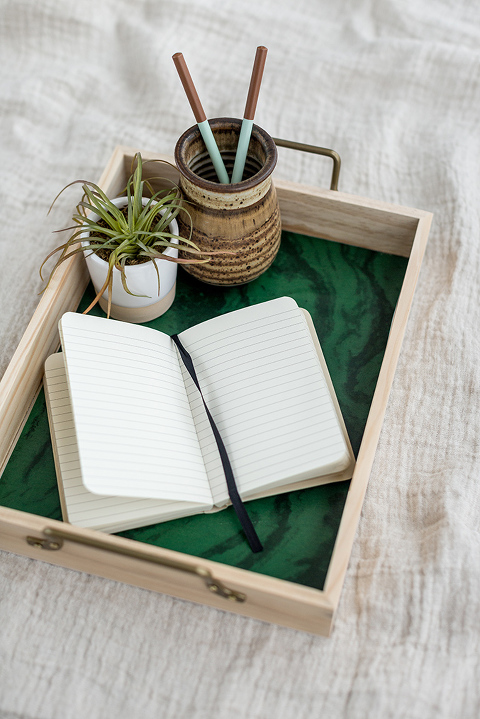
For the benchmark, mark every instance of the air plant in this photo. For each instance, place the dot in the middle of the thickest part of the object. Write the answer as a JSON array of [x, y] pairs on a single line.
[[140, 233]]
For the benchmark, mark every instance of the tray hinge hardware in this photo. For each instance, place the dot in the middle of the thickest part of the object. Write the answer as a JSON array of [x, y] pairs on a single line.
[[55, 539], [41, 543]]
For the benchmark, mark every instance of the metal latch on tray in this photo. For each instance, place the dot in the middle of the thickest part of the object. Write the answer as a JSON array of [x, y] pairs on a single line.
[[55, 538]]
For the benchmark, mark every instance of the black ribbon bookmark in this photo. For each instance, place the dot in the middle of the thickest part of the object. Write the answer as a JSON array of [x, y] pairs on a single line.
[[238, 506]]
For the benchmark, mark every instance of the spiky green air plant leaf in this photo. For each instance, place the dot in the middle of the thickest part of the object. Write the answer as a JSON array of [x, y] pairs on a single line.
[[143, 233]]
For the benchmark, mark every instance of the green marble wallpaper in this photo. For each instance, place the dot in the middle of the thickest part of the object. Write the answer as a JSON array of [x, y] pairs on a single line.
[[351, 294]]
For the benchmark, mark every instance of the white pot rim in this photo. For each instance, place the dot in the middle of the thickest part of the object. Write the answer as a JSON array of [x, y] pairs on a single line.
[[120, 202]]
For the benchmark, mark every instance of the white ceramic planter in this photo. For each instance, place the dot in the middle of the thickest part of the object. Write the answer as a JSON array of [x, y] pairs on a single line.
[[141, 279]]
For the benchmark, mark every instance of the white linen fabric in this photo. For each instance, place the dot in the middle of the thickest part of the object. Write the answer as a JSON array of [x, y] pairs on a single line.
[[395, 89]]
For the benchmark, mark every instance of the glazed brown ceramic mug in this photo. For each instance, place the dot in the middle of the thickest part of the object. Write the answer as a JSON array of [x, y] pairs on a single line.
[[243, 218]]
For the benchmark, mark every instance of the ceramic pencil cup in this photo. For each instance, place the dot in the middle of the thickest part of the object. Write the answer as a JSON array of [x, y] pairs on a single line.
[[243, 218]]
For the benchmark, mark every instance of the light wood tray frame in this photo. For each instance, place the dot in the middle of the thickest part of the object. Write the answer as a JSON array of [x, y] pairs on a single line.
[[307, 210]]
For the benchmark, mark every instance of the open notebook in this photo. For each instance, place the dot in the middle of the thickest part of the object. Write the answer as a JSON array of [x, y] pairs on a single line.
[[132, 442]]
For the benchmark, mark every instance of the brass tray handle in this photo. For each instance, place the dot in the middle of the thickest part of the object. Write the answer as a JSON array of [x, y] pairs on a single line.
[[55, 538], [316, 151]]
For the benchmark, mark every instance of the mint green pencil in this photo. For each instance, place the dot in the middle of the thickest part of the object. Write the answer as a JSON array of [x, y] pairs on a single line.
[[201, 118], [248, 115]]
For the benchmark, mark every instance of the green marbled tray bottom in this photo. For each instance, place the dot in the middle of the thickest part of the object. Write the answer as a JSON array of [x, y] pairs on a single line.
[[351, 294]]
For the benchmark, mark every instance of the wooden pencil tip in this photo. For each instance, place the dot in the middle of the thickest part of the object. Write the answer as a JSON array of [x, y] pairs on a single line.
[[189, 87], [255, 82]]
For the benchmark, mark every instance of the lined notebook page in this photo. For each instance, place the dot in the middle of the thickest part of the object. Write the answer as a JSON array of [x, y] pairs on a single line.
[[79, 506], [134, 427], [264, 385]]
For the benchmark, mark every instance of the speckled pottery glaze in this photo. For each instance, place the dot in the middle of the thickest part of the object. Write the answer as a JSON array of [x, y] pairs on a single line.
[[243, 217]]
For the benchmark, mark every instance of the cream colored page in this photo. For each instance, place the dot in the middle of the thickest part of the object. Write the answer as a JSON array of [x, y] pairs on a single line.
[[83, 508], [263, 383], [134, 427]]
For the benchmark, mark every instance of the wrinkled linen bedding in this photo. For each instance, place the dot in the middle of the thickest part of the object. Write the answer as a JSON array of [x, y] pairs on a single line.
[[395, 89]]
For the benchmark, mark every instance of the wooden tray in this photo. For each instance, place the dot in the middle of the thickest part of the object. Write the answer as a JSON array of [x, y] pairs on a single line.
[[326, 214]]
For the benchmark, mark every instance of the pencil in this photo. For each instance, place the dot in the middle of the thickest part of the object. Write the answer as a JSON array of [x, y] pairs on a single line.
[[200, 117], [248, 115]]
